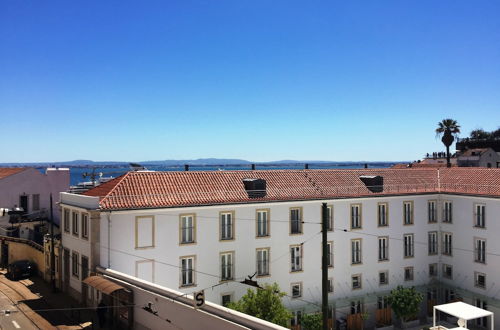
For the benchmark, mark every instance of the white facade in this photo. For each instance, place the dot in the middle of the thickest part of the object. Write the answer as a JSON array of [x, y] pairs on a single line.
[[146, 243]]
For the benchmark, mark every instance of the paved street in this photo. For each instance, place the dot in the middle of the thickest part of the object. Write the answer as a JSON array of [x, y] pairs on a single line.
[[16, 319]]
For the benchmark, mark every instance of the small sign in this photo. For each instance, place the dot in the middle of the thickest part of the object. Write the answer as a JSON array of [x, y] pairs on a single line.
[[199, 299]]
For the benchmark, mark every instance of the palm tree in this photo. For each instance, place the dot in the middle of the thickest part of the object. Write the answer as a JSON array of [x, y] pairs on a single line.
[[449, 128]]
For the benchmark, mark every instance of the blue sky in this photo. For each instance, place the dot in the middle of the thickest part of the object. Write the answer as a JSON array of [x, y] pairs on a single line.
[[257, 80]]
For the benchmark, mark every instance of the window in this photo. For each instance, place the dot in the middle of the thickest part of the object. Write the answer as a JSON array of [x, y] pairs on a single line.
[[447, 212], [383, 277], [356, 251], [188, 228], [226, 299], [296, 258], [75, 262], [408, 213], [85, 225], [262, 262], [296, 220], [226, 266], [483, 321], [408, 245], [36, 202], [408, 273], [226, 226], [356, 281], [480, 250], [296, 290], [432, 243], [431, 211], [356, 307], [187, 271], [330, 285], [382, 302], [262, 223], [355, 216], [447, 244], [433, 270], [66, 220], [447, 271], [480, 216], [144, 232], [383, 248], [382, 214], [329, 213], [296, 318], [74, 217], [330, 253], [480, 280]]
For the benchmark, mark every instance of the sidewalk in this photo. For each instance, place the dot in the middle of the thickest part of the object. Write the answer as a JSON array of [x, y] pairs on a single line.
[[46, 309]]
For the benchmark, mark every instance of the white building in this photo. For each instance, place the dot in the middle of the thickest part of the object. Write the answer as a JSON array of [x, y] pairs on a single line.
[[210, 230]]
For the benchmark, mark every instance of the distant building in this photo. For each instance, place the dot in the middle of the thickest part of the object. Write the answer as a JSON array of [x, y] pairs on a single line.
[[479, 157], [188, 231]]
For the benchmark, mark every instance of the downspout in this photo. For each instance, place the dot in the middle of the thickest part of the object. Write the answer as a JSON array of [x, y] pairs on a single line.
[[109, 239]]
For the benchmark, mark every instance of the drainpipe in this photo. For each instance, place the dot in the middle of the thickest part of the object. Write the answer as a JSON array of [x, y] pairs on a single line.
[[109, 239]]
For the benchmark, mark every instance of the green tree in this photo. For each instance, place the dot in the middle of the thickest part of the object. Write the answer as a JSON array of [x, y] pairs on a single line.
[[405, 302], [449, 129], [265, 304], [312, 321], [480, 134]]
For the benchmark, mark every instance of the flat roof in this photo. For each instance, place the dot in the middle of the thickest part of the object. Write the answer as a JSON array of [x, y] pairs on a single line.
[[463, 311]]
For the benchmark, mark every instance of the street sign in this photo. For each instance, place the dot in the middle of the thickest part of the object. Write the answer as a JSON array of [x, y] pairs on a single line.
[[199, 299]]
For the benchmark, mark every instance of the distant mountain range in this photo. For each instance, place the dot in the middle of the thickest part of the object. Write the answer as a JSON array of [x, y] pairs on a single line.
[[193, 162]]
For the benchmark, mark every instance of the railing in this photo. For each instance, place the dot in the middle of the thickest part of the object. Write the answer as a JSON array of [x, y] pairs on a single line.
[[22, 240]]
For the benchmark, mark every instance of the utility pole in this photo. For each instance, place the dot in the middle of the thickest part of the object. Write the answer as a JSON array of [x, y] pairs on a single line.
[[52, 248], [324, 265]]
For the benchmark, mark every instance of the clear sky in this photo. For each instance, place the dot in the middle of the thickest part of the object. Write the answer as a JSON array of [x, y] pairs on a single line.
[[257, 80]]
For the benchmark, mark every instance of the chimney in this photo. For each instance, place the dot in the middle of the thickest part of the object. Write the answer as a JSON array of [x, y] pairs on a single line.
[[253, 167], [374, 183], [186, 167], [366, 165], [306, 166], [255, 188]]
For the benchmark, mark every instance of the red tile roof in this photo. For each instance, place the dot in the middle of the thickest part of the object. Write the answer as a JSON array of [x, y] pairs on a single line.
[[135, 190], [8, 171]]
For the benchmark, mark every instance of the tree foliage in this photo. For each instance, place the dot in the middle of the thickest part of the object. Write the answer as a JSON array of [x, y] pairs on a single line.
[[312, 321], [265, 304], [405, 302]]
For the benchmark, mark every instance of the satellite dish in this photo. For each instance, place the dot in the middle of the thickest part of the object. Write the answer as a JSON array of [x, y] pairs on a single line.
[[461, 323]]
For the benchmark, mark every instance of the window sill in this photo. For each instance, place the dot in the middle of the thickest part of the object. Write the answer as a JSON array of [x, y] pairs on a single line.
[[183, 286]]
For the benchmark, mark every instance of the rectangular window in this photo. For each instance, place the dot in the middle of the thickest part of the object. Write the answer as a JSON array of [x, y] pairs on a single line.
[[296, 258], [356, 307], [480, 280], [85, 225], [432, 243], [296, 318], [226, 299], [382, 214], [75, 262], [447, 212], [329, 210], [296, 290], [187, 271], [447, 271], [262, 223], [447, 244], [480, 250], [483, 321], [330, 285], [296, 220], [382, 302], [330, 253], [66, 220], [408, 273], [144, 232], [36, 202], [263, 262], [408, 245], [480, 216], [431, 211], [433, 270], [383, 277], [226, 226], [383, 248], [356, 216], [356, 281], [408, 213], [226, 266], [74, 217], [356, 251], [188, 228]]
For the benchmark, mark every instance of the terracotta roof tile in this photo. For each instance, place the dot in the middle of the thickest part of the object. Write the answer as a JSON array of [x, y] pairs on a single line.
[[8, 171], [136, 190]]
